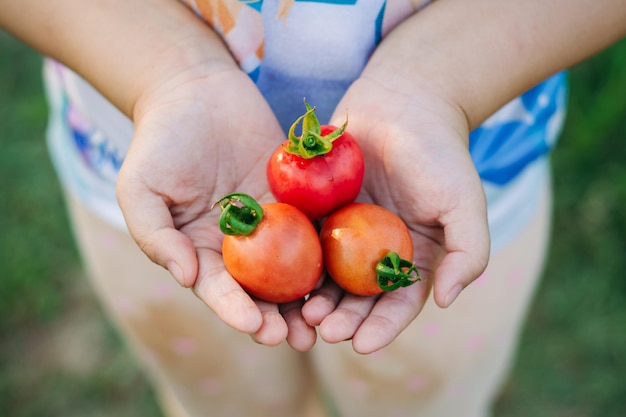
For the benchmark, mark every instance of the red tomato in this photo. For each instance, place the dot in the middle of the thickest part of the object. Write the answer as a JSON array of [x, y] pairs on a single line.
[[280, 259], [366, 248], [319, 171]]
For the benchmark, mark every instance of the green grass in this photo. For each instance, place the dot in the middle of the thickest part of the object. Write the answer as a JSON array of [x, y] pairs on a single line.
[[571, 359], [58, 355]]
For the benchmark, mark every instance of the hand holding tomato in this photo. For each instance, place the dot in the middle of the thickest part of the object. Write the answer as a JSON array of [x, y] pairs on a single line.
[[186, 153], [418, 166]]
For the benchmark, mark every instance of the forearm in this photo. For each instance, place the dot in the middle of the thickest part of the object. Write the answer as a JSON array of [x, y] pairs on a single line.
[[122, 47], [480, 54]]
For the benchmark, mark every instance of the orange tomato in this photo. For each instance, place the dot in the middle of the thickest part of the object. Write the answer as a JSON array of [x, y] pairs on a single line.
[[356, 238], [280, 260]]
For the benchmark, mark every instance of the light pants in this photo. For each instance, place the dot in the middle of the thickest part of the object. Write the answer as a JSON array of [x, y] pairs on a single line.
[[447, 363]]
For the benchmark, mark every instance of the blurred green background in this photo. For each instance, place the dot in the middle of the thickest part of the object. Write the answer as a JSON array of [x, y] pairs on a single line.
[[60, 357]]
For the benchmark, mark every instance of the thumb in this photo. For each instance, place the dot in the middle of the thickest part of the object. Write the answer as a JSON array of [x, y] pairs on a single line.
[[150, 223], [467, 245]]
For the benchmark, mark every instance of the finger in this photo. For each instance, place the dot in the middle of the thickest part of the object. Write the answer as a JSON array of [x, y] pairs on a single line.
[[342, 323], [393, 312], [322, 302], [219, 291], [467, 246], [273, 329], [301, 336], [150, 223]]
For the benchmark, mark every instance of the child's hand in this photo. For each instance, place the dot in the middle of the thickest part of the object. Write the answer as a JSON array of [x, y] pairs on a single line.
[[198, 138], [419, 95], [417, 165], [202, 131]]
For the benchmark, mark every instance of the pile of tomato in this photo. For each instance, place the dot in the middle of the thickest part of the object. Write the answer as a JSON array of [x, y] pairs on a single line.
[[276, 252]]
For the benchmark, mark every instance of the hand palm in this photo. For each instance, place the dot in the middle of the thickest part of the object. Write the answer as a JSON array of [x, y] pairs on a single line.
[[418, 166], [187, 152]]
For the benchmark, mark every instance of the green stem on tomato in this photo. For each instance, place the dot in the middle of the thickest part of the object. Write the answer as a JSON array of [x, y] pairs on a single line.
[[394, 272], [311, 143], [240, 214]]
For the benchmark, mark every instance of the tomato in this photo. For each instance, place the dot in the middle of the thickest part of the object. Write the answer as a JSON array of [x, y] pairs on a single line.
[[366, 248], [319, 171], [272, 250]]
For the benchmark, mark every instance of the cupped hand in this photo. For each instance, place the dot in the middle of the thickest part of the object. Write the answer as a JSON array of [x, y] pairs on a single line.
[[197, 138], [417, 164]]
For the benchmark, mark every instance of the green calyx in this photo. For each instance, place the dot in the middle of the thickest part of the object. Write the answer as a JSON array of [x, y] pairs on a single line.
[[240, 214], [394, 272], [311, 143]]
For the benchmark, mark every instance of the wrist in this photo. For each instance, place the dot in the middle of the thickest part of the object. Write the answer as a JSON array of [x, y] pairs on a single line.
[[417, 98], [480, 55], [203, 57], [170, 55], [122, 47], [427, 62]]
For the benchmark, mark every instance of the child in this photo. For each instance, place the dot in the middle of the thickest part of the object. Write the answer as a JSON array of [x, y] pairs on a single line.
[[455, 104]]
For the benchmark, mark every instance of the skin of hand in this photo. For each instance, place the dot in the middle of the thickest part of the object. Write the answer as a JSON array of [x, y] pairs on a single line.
[[202, 130], [453, 65], [196, 139], [418, 166]]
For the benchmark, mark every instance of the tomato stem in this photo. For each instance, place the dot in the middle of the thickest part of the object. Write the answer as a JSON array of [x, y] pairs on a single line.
[[311, 143], [394, 272], [240, 214]]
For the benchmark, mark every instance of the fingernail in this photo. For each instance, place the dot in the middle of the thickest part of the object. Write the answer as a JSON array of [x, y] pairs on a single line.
[[176, 272], [452, 295]]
